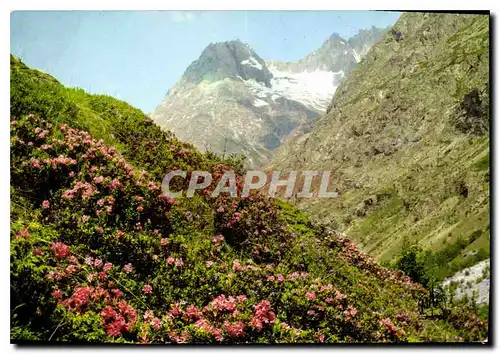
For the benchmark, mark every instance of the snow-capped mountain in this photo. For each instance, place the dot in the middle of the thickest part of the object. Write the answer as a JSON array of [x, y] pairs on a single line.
[[230, 100]]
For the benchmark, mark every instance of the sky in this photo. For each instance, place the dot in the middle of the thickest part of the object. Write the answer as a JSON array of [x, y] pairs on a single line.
[[137, 56]]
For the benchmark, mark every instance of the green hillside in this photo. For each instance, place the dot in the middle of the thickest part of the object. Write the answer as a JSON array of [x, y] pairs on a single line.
[[407, 140], [99, 255]]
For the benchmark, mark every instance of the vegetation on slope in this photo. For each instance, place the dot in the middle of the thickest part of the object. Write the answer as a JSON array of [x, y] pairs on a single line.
[[406, 139], [98, 254]]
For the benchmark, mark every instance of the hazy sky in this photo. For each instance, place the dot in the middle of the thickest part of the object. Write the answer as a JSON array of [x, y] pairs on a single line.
[[137, 56]]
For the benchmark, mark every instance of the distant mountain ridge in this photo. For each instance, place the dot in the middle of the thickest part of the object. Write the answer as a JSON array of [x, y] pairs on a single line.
[[230, 100]]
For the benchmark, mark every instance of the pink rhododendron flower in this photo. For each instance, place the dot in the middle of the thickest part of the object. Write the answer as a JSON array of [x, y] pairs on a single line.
[[148, 315], [107, 267], [119, 233], [57, 294], [167, 198], [311, 295], [127, 267], [147, 289], [35, 163], [116, 292], [241, 298], [203, 324], [236, 266], [176, 310], [217, 333], [350, 312], [192, 312], [45, 204], [23, 233], [71, 269], [115, 184], [235, 330], [60, 250], [156, 323]]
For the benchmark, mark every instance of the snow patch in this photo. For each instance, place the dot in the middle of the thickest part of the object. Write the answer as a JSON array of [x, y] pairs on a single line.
[[261, 94], [313, 89], [472, 275], [259, 103], [252, 62], [356, 56]]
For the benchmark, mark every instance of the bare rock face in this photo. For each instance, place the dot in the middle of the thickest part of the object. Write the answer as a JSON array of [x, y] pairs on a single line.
[[230, 100]]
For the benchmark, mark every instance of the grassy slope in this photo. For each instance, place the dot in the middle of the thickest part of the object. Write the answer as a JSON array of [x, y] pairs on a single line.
[[389, 137], [375, 292]]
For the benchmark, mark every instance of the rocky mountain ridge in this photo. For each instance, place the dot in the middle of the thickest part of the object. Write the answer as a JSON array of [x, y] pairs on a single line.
[[409, 149], [230, 100]]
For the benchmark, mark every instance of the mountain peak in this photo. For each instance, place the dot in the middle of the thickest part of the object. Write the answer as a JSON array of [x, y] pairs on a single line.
[[222, 60], [335, 36]]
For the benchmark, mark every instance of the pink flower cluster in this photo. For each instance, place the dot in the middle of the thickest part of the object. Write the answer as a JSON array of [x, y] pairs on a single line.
[[391, 328], [80, 298], [280, 278], [23, 233], [192, 313], [167, 199], [350, 312], [235, 219], [84, 188], [262, 315], [234, 329], [178, 262], [118, 321], [127, 268], [147, 289], [221, 303], [60, 250], [311, 295], [58, 161]]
